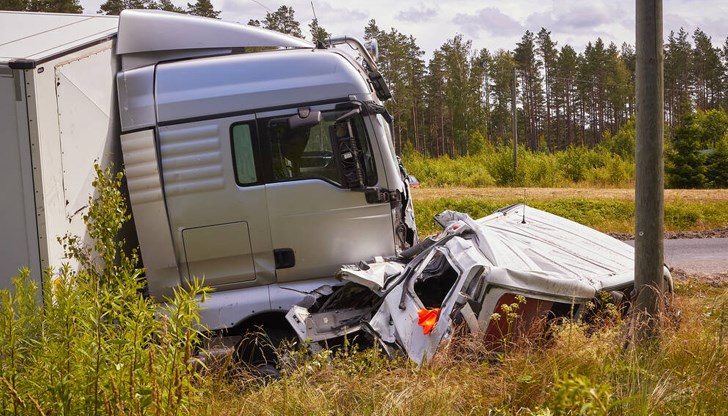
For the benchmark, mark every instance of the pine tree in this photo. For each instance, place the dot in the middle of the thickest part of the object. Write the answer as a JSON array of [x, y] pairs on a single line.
[[618, 89], [707, 71], [717, 166], [499, 96], [318, 33], [566, 95], [548, 53], [678, 73], [202, 8], [435, 99], [114, 7], [685, 166], [531, 91], [14, 5], [629, 58], [168, 6], [282, 20], [54, 6]]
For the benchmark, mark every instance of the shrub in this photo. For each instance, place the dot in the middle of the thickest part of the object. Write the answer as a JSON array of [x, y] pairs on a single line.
[[622, 144], [90, 342]]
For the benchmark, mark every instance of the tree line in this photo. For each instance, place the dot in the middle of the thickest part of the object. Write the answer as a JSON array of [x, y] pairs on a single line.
[[109, 7], [461, 97], [459, 101]]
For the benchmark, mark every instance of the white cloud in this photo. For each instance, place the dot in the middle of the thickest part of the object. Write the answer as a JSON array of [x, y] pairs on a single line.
[[417, 14], [491, 24], [489, 20]]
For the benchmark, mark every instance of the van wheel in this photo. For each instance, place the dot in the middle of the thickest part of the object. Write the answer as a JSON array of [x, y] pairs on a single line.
[[259, 351]]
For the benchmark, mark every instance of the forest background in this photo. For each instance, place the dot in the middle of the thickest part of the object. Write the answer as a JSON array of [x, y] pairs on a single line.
[[575, 110]]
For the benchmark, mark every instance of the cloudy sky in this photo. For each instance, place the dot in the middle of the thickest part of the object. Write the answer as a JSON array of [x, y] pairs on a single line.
[[488, 23]]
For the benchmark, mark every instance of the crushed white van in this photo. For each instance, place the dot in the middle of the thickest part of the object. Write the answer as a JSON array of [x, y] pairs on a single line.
[[548, 266]]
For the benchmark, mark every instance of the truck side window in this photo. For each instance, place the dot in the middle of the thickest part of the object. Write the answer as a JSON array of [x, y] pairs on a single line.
[[307, 152], [243, 155], [304, 152]]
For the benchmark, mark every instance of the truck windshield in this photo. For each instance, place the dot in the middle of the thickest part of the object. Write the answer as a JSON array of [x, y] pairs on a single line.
[[308, 152]]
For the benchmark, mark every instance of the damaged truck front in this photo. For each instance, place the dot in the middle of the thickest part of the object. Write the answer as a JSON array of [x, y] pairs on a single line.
[[460, 278]]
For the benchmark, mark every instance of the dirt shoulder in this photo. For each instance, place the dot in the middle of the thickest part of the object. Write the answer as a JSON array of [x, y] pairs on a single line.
[[673, 235], [560, 193], [713, 279]]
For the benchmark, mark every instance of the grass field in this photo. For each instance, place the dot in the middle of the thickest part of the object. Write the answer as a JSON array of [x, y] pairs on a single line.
[[607, 210], [545, 194]]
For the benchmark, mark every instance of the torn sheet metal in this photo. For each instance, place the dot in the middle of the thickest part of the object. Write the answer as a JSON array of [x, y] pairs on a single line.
[[467, 272]]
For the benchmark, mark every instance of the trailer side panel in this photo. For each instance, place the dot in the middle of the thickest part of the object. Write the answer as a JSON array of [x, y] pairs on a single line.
[[18, 228]]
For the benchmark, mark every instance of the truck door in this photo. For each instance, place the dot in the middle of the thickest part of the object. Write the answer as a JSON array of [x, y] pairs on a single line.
[[316, 222], [216, 201]]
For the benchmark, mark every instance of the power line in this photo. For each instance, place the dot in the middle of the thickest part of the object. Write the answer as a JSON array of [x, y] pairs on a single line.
[[261, 5]]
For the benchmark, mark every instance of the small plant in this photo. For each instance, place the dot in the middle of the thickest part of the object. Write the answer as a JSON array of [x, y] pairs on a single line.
[[510, 312]]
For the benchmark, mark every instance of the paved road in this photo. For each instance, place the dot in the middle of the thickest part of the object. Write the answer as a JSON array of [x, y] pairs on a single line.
[[703, 255]]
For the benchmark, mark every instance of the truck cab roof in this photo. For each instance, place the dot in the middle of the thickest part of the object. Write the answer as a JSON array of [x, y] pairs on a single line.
[[144, 37]]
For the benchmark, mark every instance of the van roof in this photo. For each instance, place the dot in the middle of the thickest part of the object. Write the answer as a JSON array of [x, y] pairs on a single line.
[[38, 37]]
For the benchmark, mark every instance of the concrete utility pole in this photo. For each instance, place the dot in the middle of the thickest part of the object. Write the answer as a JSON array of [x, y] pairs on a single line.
[[649, 176], [514, 120]]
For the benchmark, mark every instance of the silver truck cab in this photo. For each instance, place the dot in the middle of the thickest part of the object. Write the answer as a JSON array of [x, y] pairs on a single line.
[[261, 172]]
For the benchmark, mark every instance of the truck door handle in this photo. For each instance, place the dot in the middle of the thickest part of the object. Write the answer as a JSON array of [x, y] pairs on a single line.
[[375, 195], [285, 258]]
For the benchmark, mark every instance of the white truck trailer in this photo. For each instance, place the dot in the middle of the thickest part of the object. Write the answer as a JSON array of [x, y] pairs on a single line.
[[262, 170]]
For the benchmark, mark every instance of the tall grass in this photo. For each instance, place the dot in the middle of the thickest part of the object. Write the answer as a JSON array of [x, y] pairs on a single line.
[[88, 342]]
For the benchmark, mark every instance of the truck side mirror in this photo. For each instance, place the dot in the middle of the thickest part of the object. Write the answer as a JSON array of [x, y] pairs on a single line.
[[305, 118]]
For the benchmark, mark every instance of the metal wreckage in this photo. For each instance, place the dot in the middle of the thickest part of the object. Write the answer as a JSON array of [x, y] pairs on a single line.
[[460, 277]]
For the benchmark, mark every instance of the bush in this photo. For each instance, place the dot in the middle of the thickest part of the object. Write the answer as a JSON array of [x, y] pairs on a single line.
[[89, 341], [622, 144], [490, 167], [503, 170]]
